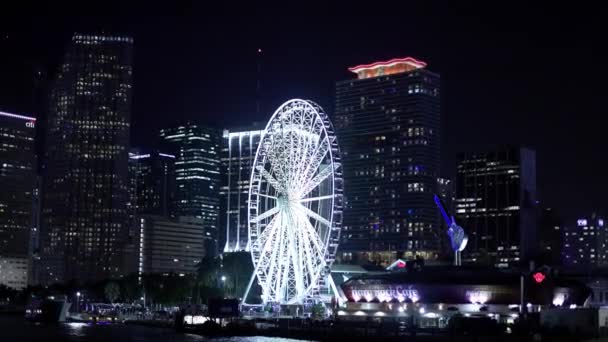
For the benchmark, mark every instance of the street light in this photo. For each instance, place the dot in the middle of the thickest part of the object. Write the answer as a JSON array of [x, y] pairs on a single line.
[[78, 301], [223, 278]]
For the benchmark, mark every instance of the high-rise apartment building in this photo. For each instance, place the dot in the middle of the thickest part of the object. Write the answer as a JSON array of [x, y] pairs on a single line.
[[238, 152], [584, 243], [388, 124], [496, 205], [86, 184], [17, 182], [197, 175]]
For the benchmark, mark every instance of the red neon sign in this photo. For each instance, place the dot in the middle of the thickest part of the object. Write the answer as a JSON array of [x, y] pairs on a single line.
[[538, 277]]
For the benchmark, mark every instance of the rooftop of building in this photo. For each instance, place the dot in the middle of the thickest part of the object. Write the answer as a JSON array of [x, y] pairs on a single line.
[[393, 66], [16, 116]]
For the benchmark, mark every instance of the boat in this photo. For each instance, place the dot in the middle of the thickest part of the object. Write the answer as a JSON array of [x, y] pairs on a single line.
[[47, 310]]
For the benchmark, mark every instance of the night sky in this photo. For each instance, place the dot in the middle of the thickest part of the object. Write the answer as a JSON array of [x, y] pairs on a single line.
[[511, 75]]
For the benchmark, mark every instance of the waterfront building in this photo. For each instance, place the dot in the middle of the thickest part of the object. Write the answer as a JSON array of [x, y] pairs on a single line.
[[17, 182], [584, 243], [388, 123], [238, 152], [85, 218], [197, 175], [496, 205], [170, 245]]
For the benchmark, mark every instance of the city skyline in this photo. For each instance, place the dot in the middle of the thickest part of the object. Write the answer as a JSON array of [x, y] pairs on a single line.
[[503, 78], [382, 171]]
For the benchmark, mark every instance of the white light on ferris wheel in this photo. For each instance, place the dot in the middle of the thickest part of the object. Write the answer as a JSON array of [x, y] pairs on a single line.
[[295, 202]]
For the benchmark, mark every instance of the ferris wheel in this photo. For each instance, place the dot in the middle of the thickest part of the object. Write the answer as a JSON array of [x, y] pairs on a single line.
[[295, 203]]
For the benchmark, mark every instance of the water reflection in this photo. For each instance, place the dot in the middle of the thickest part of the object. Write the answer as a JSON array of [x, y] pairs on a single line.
[[76, 328], [15, 328]]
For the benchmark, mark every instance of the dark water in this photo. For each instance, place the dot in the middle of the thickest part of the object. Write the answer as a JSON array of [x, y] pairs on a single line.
[[16, 329]]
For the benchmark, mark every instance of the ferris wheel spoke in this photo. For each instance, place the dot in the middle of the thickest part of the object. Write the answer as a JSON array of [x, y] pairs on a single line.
[[315, 239], [295, 251], [265, 214], [270, 179], [306, 241], [314, 161], [268, 196], [313, 215], [316, 181], [318, 198]]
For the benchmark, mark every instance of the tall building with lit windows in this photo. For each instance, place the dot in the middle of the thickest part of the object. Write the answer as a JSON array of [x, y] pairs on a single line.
[[17, 182], [496, 205], [238, 153], [86, 182], [585, 243], [197, 175], [151, 182], [388, 124]]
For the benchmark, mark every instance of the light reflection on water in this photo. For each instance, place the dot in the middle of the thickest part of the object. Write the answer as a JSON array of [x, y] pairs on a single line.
[[15, 328]]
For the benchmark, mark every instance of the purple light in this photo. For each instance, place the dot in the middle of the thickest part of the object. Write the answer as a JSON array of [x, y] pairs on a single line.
[[166, 155], [23, 117]]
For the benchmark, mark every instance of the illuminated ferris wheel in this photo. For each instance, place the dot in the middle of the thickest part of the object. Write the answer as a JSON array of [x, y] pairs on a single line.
[[295, 203]]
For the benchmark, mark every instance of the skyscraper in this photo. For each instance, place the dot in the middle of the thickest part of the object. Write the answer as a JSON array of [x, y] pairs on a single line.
[[238, 152], [197, 175], [85, 197], [387, 121], [17, 184], [151, 182], [585, 243], [496, 205]]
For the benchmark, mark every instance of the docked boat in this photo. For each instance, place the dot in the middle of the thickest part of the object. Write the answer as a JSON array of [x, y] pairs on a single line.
[[47, 310]]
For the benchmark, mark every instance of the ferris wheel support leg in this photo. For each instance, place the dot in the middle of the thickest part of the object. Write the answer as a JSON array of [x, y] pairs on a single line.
[[244, 300], [334, 289]]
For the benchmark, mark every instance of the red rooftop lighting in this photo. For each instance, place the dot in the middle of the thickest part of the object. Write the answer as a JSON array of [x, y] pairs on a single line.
[[394, 66]]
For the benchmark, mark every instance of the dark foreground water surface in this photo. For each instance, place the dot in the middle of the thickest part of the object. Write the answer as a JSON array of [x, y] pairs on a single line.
[[16, 329]]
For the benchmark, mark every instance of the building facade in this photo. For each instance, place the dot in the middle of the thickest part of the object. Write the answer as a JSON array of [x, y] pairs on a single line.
[[238, 153], [17, 182], [151, 182], [197, 175], [585, 243], [170, 245], [550, 237], [496, 205], [14, 271], [388, 124], [86, 182]]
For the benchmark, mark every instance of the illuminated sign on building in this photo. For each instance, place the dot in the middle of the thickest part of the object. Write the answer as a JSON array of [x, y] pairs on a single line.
[[478, 297], [387, 293], [538, 277], [581, 222]]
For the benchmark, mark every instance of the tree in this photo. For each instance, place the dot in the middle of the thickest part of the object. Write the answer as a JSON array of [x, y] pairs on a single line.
[[237, 269], [131, 289], [112, 291]]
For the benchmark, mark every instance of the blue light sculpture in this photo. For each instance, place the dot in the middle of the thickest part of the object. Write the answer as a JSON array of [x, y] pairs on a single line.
[[458, 238]]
